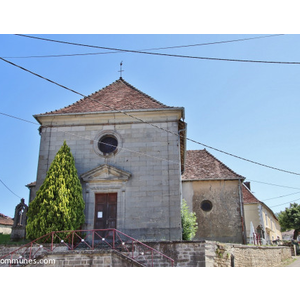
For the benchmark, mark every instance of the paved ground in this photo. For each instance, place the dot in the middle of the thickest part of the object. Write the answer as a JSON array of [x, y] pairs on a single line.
[[296, 263]]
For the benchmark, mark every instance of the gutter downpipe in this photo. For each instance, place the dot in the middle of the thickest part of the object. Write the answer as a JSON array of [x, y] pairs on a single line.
[[244, 237], [180, 174]]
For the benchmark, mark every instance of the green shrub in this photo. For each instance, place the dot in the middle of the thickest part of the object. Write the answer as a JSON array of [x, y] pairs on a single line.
[[189, 222]]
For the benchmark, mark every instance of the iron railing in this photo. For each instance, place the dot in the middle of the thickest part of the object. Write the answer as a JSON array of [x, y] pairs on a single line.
[[71, 240]]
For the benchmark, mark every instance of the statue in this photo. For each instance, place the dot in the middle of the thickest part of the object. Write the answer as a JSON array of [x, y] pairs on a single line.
[[20, 221]]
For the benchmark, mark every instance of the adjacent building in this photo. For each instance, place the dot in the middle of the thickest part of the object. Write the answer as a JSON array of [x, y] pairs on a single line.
[[214, 192], [261, 217], [6, 224]]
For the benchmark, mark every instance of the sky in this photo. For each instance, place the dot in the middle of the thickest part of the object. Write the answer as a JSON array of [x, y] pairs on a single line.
[[247, 109]]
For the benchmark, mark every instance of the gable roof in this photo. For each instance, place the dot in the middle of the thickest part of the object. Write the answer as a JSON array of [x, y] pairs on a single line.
[[118, 96], [248, 197], [5, 220], [201, 165]]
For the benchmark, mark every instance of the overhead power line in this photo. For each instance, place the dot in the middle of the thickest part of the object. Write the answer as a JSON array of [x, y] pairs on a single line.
[[285, 203], [283, 186], [9, 189], [1, 113], [157, 158], [166, 54], [214, 43], [151, 124], [281, 196], [149, 49]]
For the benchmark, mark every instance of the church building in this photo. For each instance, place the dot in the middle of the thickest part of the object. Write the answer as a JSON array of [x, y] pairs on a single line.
[[129, 158]]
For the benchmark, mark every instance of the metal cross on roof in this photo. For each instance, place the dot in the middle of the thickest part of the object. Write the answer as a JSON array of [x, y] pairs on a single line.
[[121, 70]]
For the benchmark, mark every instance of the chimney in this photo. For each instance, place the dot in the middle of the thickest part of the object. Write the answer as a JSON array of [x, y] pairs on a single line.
[[247, 184]]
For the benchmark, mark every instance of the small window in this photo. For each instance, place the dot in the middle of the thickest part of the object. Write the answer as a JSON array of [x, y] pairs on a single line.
[[108, 144], [206, 205]]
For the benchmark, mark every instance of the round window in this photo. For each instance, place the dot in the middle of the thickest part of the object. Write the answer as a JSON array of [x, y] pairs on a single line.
[[206, 205], [108, 144]]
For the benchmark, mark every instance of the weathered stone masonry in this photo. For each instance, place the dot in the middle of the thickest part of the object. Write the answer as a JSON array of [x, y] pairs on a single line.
[[185, 254], [144, 171]]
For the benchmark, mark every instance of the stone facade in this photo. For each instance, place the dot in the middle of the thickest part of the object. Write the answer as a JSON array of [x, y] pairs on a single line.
[[224, 222], [144, 172]]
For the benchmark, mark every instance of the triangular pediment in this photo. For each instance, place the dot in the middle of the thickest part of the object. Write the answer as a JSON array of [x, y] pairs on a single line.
[[105, 173]]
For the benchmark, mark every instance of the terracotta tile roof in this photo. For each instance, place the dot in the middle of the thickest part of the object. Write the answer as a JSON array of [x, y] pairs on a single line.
[[119, 95], [248, 197], [5, 220], [201, 165], [31, 184]]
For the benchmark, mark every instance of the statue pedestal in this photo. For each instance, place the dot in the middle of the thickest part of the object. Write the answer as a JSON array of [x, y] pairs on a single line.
[[18, 233]]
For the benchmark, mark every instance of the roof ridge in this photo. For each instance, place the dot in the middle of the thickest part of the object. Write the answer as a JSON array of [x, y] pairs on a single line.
[[129, 92], [4, 216], [133, 87]]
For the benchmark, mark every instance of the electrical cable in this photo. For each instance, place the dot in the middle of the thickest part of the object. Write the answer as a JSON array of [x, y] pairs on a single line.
[[9, 189], [151, 124], [86, 138], [149, 49], [281, 196], [165, 54], [285, 203], [283, 186], [147, 155], [1, 113]]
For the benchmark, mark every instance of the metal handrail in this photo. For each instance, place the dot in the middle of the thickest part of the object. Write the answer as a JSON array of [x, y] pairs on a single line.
[[72, 239]]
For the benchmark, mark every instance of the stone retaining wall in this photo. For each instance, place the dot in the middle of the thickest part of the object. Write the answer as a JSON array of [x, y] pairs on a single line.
[[87, 258], [185, 254]]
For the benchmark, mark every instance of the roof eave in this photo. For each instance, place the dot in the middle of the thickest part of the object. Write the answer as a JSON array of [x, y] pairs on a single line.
[[214, 179], [110, 112]]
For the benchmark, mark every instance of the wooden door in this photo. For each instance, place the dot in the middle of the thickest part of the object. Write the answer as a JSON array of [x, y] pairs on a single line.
[[105, 211]]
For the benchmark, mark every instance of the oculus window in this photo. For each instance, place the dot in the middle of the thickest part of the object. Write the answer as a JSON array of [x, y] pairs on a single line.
[[108, 144], [206, 205]]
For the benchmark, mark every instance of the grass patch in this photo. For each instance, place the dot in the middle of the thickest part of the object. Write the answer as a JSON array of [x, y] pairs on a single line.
[[5, 240]]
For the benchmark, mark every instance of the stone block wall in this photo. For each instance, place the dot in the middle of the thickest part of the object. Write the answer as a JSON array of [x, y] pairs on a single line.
[[185, 254], [223, 222], [148, 204], [108, 258], [249, 256]]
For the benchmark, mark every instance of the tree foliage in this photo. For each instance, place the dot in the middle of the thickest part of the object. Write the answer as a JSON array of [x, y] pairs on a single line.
[[189, 222], [290, 219], [58, 204]]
